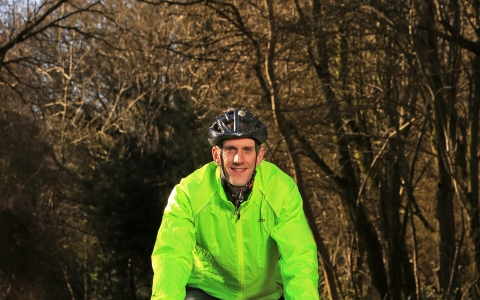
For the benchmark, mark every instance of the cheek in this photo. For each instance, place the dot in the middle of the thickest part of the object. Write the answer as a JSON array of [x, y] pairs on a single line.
[[226, 161]]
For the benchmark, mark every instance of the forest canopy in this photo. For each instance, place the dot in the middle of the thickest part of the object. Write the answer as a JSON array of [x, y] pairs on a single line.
[[372, 107]]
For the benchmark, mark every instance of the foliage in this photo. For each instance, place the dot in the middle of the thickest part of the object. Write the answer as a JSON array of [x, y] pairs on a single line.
[[37, 257], [372, 106], [124, 199]]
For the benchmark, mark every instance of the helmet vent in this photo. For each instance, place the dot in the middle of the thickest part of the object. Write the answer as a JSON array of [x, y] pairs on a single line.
[[236, 123]]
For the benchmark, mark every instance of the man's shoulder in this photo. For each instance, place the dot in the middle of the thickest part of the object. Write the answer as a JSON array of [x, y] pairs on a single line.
[[278, 187], [206, 172], [271, 173], [201, 178]]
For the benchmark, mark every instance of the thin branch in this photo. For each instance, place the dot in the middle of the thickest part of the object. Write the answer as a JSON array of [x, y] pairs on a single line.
[[380, 153]]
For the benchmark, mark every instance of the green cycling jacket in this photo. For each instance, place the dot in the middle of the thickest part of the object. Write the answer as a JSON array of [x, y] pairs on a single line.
[[265, 250]]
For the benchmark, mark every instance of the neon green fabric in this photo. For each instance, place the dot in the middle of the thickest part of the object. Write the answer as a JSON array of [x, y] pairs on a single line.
[[267, 250]]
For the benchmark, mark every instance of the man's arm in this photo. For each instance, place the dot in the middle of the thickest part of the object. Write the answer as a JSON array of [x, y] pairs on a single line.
[[298, 261], [172, 255]]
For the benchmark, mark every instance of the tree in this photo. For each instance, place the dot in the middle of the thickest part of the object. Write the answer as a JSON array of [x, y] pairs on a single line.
[[37, 256]]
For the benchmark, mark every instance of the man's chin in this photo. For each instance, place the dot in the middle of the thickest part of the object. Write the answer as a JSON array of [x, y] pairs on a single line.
[[239, 183]]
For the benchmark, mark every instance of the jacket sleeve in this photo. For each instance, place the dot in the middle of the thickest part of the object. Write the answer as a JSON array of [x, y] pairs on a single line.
[[298, 252], [172, 257]]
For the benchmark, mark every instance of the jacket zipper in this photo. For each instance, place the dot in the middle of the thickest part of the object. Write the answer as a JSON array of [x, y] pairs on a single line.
[[240, 259], [238, 202], [237, 208]]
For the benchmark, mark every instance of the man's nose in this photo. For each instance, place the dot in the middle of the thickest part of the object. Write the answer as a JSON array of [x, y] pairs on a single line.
[[238, 158]]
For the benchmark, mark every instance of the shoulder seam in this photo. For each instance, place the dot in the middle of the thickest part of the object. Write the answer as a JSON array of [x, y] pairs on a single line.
[[269, 204], [201, 209]]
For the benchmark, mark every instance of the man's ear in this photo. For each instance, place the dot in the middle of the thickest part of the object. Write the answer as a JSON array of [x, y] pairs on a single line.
[[260, 155], [216, 155]]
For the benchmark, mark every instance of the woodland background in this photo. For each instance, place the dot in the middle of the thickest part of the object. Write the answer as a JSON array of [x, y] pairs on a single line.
[[372, 106]]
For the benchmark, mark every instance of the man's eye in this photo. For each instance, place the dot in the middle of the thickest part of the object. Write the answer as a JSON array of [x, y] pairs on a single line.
[[230, 149], [248, 150]]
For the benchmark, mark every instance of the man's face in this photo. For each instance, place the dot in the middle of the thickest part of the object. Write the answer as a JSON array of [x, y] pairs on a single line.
[[239, 159]]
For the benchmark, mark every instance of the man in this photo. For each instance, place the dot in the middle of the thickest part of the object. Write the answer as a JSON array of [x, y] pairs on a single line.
[[235, 228]]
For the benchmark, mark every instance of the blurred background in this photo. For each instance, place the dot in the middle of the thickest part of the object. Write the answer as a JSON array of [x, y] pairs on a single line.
[[372, 107]]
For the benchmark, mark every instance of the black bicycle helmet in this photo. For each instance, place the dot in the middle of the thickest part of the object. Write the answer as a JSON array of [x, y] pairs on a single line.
[[252, 127]]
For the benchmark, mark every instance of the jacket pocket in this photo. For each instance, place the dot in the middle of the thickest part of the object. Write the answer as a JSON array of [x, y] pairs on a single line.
[[203, 267]]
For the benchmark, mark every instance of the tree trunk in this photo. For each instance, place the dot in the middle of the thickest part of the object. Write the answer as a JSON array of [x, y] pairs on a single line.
[[472, 155], [270, 89], [443, 143]]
